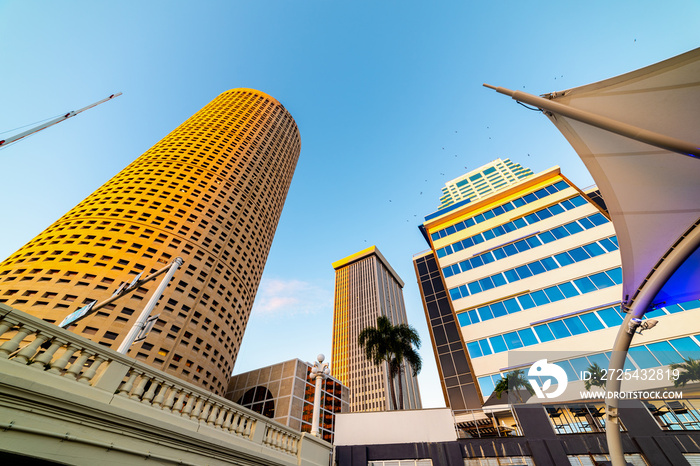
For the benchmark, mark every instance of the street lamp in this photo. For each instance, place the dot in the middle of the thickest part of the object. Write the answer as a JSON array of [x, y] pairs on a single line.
[[319, 372]]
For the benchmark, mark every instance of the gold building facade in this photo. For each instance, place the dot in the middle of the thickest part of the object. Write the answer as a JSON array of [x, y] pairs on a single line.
[[211, 192], [367, 287]]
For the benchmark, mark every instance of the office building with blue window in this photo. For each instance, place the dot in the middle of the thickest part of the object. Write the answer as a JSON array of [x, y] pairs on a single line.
[[528, 272]]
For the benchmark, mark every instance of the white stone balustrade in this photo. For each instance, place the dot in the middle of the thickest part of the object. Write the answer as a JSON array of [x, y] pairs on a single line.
[[49, 351]]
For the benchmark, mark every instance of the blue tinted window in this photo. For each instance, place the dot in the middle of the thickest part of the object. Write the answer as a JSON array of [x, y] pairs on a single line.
[[510, 226], [643, 357], [527, 336], [519, 223], [585, 223], [539, 297], [578, 254], [465, 265], [474, 287], [536, 268], [691, 305], [564, 259], [655, 313], [511, 305], [585, 285], [485, 313], [455, 294], [575, 325], [518, 202], [441, 252], [544, 333], [523, 271], [486, 283], [533, 241], [476, 261], [592, 322], [531, 218], [473, 316], [687, 347], [608, 245], [559, 329], [508, 206], [559, 232], [479, 218], [469, 222], [549, 264], [672, 309], [511, 276], [477, 239], [489, 214], [578, 201], [554, 294], [568, 289], [556, 209], [498, 280], [594, 249], [498, 309], [460, 226], [458, 246], [544, 214], [463, 319], [573, 228], [598, 219], [474, 349], [499, 231], [498, 344], [513, 340], [529, 198], [561, 185], [525, 301], [449, 230], [510, 250], [486, 385], [610, 317], [601, 280], [435, 236], [546, 237], [521, 246], [489, 234], [540, 193], [485, 348], [570, 373], [487, 257], [664, 352], [499, 253], [568, 205], [615, 275], [580, 365]]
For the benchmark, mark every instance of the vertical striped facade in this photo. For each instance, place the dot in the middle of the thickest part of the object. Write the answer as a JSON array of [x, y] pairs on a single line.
[[366, 287]]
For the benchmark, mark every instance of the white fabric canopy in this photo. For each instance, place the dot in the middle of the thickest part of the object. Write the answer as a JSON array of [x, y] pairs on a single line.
[[653, 195]]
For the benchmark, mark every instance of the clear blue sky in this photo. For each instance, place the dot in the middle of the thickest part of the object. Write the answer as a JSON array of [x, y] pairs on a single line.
[[387, 96]]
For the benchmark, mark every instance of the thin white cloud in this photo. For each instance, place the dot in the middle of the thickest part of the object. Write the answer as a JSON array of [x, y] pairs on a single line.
[[281, 298]]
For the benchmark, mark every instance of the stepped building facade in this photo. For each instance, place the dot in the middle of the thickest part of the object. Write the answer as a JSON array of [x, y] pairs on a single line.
[[210, 192]]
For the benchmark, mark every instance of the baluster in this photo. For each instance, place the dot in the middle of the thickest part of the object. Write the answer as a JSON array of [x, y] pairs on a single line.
[[44, 358], [138, 392], [190, 404], [160, 398], [87, 376], [240, 426], [197, 409], [5, 326], [182, 396], [58, 365], [268, 436], [125, 388], [213, 414], [248, 425], [295, 443], [11, 345], [30, 350], [155, 384], [227, 422], [221, 417], [78, 365]]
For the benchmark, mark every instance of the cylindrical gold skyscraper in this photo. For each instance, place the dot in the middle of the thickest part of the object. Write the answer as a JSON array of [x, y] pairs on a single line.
[[210, 192]]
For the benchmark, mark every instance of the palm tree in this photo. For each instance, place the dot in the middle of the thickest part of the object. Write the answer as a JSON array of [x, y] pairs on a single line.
[[513, 381], [597, 374], [393, 344], [690, 371]]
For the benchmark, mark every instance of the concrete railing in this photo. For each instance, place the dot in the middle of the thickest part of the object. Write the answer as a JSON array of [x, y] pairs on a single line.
[[42, 346]]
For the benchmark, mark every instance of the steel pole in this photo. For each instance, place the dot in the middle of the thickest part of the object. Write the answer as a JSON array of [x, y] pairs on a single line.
[[145, 314]]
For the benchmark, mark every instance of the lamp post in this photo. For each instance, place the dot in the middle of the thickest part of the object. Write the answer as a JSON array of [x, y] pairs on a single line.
[[319, 372]]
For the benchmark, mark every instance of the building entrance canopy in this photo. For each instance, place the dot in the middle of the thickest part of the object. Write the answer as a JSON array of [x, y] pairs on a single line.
[[638, 136]]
